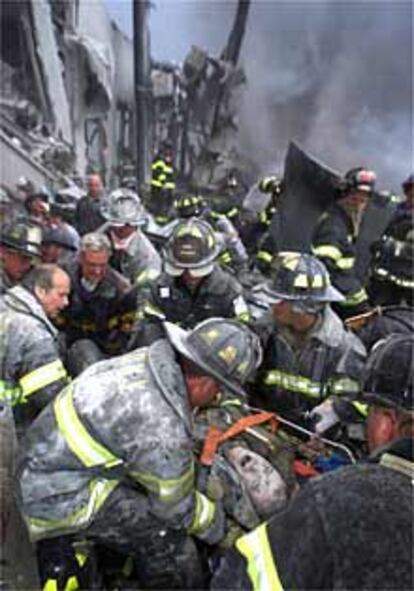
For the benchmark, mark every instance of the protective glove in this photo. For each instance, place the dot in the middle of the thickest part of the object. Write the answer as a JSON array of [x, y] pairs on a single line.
[[324, 416]]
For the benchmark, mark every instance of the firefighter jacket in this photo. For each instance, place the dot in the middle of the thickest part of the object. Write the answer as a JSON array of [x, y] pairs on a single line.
[[295, 377], [136, 258], [163, 174], [168, 298], [393, 258], [124, 422], [5, 281], [88, 216], [334, 243], [92, 314], [349, 529], [32, 371]]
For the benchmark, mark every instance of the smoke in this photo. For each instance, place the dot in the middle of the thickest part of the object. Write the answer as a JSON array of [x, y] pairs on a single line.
[[334, 76]]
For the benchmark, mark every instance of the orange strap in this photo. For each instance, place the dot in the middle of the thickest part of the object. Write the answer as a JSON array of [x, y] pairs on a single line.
[[304, 470], [215, 436]]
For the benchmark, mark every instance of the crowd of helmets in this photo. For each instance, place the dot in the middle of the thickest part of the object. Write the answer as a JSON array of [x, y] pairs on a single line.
[[184, 258]]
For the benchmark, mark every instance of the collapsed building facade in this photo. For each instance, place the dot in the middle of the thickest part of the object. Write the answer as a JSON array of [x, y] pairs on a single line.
[[67, 101]]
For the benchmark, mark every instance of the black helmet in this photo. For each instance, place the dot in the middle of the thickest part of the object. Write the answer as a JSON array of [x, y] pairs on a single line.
[[189, 206], [123, 206], [271, 184], [42, 195], [298, 277], [388, 379], [22, 237], [192, 245], [408, 183], [224, 349], [60, 236], [359, 179]]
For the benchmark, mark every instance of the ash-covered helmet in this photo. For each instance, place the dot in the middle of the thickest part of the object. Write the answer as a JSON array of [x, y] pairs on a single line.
[[188, 206], [298, 277], [225, 349], [22, 237], [388, 376], [193, 246], [359, 179], [122, 207]]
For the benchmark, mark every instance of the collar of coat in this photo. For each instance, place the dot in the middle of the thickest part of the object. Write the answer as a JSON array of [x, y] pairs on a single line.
[[23, 301]]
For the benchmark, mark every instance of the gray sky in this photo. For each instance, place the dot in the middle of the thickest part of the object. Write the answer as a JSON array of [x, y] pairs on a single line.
[[335, 75]]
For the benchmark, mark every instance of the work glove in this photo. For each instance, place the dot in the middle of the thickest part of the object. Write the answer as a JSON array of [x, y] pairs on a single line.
[[324, 416]]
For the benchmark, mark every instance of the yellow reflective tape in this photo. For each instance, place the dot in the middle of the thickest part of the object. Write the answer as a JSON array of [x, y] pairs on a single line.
[[50, 585], [189, 231], [203, 514], [10, 394], [72, 584], [150, 310], [157, 164], [225, 257], [356, 298], [328, 251], [41, 377], [89, 451], [301, 280], [344, 385], [169, 185], [233, 212], [261, 567], [81, 557], [293, 383], [345, 263], [264, 256], [147, 275], [168, 490], [99, 490], [156, 183], [361, 407]]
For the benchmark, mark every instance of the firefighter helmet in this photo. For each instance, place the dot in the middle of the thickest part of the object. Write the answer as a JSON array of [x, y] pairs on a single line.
[[389, 371], [122, 207], [359, 179], [271, 184], [189, 206], [60, 236], [192, 245], [225, 349], [22, 237], [299, 277]]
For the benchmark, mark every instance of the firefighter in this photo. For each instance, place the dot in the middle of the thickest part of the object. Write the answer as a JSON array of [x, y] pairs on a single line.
[[308, 354], [32, 370], [88, 215], [96, 292], [163, 183], [335, 236], [337, 531], [233, 253], [111, 458], [272, 185], [392, 266], [192, 287], [37, 208], [58, 244], [19, 249], [133, 255]]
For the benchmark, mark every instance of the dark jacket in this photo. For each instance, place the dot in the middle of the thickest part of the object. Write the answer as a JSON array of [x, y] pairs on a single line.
[[219, 295], [334, 243], [349, 529], [88, 216], [89, 314], [292, 380]]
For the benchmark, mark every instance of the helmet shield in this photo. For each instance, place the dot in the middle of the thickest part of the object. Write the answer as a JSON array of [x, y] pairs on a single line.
[[192, 246], [225, 349]]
